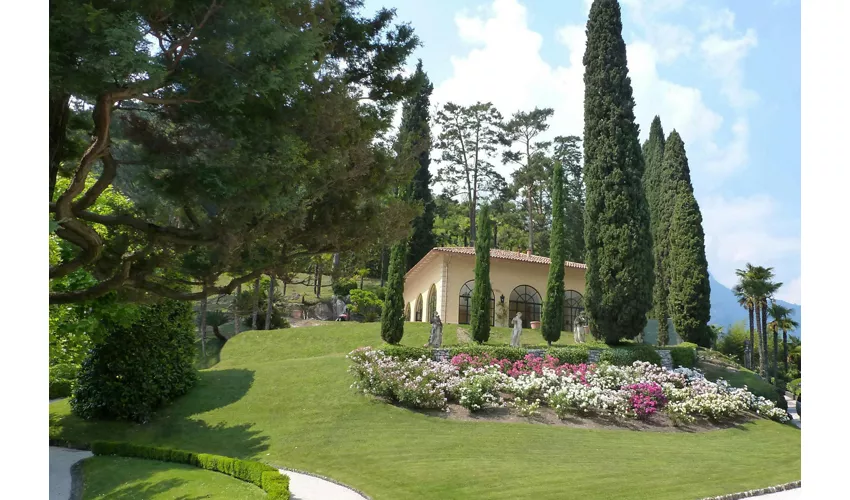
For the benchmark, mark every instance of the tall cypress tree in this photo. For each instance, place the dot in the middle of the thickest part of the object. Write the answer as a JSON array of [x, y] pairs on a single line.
[[553, 309], [415, 131], [392, 316], [660, 187], [689, 294], [482, 291], [618, 245]]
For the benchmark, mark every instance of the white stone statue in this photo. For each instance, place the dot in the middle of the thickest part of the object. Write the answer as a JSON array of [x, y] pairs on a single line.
[[580, 328], [436, 338], [517, 324]]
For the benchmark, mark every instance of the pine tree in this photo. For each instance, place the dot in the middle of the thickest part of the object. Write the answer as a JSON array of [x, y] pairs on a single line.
[[660, 187], [482, 291], [568, 154], [392, 316], [618, 245], [687, 268], [553, 308], [415, 131]]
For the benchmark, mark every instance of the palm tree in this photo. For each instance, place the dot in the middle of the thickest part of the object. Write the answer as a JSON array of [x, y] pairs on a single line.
[[746, 301], [754, 290], [781, 321]]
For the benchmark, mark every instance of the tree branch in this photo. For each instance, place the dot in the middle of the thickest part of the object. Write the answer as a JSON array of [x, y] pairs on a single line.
[[164, 291], [110, 169]]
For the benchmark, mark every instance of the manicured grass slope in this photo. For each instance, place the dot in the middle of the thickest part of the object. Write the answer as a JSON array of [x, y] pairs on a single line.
[[131, 478], [284, 397]]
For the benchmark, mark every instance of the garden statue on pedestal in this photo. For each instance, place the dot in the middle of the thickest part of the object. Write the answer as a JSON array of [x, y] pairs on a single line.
[[436, 338], [580, 328], [517, 323]]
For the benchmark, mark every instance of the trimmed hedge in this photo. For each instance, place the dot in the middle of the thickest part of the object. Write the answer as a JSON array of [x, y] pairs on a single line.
[[406, 352], [625, 356], [59, 388], [684, 354], [573, 355], [497, 351], [266, 477]]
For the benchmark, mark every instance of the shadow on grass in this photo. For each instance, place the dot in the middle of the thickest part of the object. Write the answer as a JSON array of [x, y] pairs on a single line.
[[179, 425]]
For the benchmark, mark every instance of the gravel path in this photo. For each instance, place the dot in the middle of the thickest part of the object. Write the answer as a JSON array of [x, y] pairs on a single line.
[[61, 460], [302, 486], [792, 410]]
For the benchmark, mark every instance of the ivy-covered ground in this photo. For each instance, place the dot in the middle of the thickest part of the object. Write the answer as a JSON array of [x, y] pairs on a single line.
[[283, 397]]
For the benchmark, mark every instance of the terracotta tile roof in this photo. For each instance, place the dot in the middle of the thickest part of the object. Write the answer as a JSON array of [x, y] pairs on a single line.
[[494, 254]]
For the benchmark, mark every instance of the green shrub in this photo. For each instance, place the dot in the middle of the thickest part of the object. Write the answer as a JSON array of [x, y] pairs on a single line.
[[139, 367], [684, 354], [625, 356], [617, 356], [343, 286], [60, 388], [497, 351], [366, 304], [66, 371], [406, 352], [266, 477], [572, 355], [794, 387]]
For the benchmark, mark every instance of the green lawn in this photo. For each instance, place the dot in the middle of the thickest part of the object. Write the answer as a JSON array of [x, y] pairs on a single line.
[[741, 377], [283, 397], [119, 478]]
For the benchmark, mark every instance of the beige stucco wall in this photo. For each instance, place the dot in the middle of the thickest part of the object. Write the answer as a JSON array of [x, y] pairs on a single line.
[[420, 283], [505, 275]]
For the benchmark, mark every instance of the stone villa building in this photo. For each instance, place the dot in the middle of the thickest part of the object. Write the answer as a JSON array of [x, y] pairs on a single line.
[[443, 280]]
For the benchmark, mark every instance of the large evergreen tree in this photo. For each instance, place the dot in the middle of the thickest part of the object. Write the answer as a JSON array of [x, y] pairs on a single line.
[[553, 308], [482, 290], [568, 153], [392, 316], [618, 245], [660, 186], [686, 267], [415, 133]]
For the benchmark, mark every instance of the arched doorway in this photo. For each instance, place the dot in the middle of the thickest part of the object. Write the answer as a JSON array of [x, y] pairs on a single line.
[[432, 302], [407, 311], [573, 306], [525, 299], [465, 304], [418, 309]]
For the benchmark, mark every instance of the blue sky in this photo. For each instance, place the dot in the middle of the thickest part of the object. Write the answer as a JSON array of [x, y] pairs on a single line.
[[724, 73]]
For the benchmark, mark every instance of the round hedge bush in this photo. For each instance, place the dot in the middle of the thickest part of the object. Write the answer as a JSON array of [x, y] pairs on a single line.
[[138, 367]]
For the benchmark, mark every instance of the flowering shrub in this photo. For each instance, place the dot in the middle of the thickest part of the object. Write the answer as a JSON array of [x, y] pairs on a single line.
[[646, 398], [525, 407], [476, 380], [478, 391], [418, 383]]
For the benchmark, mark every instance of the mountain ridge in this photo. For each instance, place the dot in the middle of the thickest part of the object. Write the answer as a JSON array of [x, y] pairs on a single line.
[[725, 309]]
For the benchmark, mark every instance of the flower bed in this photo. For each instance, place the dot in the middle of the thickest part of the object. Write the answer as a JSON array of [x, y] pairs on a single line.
[[638, 391]]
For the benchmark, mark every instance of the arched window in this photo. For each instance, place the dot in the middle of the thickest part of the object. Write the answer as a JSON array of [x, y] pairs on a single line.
[[573, 306], [418, 310], [407, 311], [526, 300], [432, 302], [465, 304]]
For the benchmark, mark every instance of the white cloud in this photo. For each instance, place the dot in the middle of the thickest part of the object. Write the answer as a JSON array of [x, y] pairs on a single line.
[[503, 65], [791, 291], [739, 230]]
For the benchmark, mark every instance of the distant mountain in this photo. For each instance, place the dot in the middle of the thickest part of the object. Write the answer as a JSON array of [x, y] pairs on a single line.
[[725, 309]]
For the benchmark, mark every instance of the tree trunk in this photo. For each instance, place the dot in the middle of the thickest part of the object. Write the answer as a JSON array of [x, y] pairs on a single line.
[[271, 302], [762, 360], [775, 355], [59, 114], [256, 304], [495, 235], [236, 319], [765, 347], [530, 221], [785, 349], [383, 265], [361, 282], [318, 280], [336, 263], [204, 322], [218, 334], [749, 360]]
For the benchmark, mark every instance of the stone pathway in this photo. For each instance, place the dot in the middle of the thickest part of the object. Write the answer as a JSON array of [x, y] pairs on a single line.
[[61, 460], [302, 486], [306, 487], [792, 410]]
